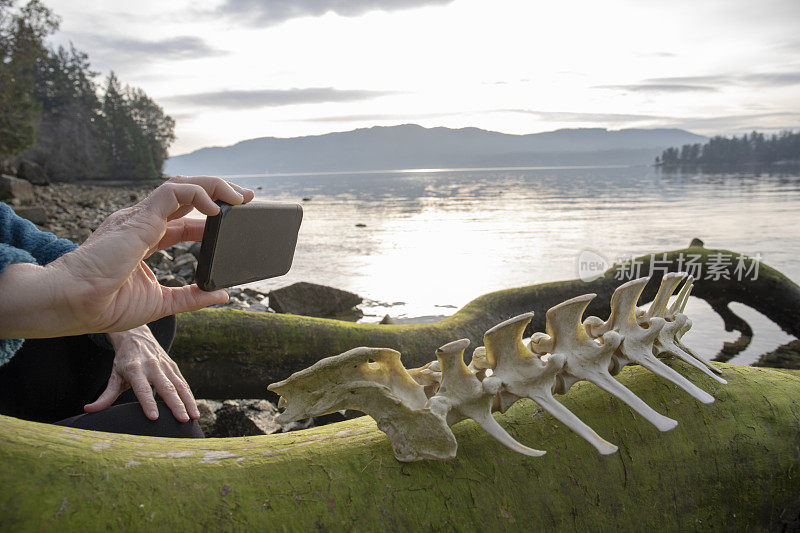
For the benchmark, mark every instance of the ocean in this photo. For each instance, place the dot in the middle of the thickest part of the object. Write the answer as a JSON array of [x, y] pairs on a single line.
[[420, 244]]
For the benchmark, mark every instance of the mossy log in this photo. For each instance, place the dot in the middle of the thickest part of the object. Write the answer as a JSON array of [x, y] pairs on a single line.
[[731, 465], [235, 354]]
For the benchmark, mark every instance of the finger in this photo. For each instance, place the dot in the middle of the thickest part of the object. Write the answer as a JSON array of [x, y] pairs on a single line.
[[247, 194], [141, 388], [168, 392], [171, 196], [189, 298], [183, 390], [112, 392], [217, 188], [181, 212], [147, 272], [181, 230]]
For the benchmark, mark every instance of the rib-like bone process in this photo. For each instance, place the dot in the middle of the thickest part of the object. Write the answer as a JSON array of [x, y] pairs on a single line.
[[589, 359], [416, 407], [520, 372], [638, 337], [668, 337], [678, 306], [461, 396]]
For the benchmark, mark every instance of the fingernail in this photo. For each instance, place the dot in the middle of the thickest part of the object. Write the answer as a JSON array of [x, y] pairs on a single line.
[[154, 414]]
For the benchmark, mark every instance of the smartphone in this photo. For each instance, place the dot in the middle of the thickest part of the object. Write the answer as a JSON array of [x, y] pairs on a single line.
[[248, 242]]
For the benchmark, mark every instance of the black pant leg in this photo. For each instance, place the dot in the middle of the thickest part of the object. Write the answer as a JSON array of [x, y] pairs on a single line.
[[52, 379], [129, 418]]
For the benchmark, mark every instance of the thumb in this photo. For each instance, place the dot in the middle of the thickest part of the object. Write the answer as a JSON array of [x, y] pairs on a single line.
[[190, 298], [112, 392]]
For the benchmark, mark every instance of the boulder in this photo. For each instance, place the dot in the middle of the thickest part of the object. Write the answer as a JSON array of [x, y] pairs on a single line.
[[208, 415], [244, 418], [35, 213], [33, 173], [15, 189], [310, 299]]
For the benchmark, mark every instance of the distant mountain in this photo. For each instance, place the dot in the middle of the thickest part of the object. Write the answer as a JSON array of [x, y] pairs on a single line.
[[412, 146]]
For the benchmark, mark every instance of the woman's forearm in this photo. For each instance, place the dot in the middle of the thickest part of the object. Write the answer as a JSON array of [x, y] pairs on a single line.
[[32, 303]]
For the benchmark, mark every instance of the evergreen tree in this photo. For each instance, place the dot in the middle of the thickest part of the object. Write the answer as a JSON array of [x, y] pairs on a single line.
[[67, 141], [754, 149], [135, 133], [157, 128], [22, 34]]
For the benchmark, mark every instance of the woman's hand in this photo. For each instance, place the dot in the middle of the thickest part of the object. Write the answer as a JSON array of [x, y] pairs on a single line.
[[139, 363], [104, 285]]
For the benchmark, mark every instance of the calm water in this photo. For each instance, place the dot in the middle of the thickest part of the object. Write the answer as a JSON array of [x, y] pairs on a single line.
[[435, 240]]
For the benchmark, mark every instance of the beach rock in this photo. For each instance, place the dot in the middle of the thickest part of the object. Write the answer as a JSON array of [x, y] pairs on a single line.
[[33, 173], [258, 307], [194, 249], [158, 258], [310, 299], [244, 418], [184, 259], [15, 189], [208, 416], [7, 166], [173, 281], [35, 213]]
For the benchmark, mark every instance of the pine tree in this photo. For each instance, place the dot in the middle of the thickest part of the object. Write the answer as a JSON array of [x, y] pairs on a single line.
[[22, 35], [67, 140]]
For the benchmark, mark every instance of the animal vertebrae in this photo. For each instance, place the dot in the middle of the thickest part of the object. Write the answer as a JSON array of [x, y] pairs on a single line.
[[416, 407]]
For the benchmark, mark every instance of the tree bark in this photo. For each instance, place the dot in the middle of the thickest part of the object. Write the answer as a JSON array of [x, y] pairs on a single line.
[[731, 465]]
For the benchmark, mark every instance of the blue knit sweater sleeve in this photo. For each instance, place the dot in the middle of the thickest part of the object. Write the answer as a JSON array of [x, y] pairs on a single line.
[[22, 242]]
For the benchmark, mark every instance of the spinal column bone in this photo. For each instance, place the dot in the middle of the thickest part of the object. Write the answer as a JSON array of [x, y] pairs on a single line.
[[638, 337], [519, 371], [669, 336], [589, 359]]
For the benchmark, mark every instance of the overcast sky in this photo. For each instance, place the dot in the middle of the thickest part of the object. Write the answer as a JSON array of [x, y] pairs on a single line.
[[237, 69]]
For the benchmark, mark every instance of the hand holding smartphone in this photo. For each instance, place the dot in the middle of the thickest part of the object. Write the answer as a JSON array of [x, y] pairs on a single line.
[[248, 242]]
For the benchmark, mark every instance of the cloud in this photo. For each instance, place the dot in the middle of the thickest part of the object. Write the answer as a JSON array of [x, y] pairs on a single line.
[[126, 49], [660, 88], [269, 12], [745, 122], [374, 117], [576, 116], [552, 116], [250, 99], [710, 125]]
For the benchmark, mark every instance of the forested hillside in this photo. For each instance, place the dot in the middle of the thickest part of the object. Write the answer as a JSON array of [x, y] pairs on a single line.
[[54, 112], [753, 149]]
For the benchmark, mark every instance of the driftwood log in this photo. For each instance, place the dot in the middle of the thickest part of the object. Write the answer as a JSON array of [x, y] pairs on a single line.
[[732, 465], [235, 354]]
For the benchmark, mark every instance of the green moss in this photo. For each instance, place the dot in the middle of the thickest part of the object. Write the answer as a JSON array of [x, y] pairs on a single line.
[[729, 465]]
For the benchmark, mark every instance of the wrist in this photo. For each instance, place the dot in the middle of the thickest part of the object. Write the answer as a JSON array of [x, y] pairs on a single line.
[[120, 339]]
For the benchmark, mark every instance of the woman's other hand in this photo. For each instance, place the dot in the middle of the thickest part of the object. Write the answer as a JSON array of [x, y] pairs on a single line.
[[141, 363]]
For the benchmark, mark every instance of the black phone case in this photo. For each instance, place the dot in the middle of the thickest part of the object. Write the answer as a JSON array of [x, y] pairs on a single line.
[[249, 242]]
